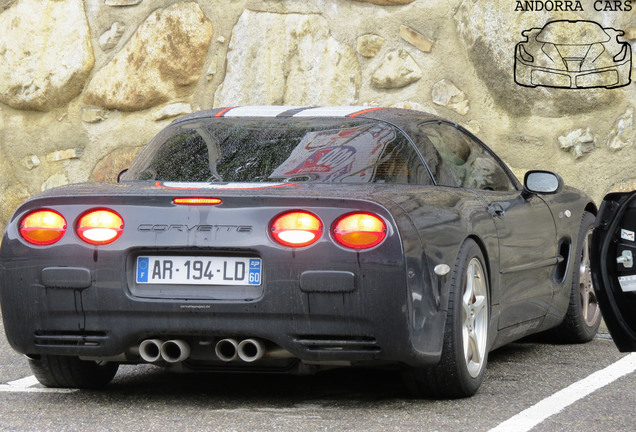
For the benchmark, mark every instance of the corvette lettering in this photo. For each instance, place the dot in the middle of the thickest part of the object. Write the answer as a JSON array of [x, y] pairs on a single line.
[[194, 228]]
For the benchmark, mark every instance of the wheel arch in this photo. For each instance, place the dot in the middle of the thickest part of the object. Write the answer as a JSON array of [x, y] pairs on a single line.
[[590, 207]]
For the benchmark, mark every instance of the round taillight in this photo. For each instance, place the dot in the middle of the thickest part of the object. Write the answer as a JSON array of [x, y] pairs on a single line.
[[359, 230], [43, 227], [296, 229], [100, 227]]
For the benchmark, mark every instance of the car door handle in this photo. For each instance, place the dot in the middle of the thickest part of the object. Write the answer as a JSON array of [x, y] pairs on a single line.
[[496, 210]]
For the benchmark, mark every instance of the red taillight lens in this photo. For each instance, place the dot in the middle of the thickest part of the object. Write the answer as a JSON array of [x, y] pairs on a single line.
[[43, 227], [100, 227], [197, 201], [359, 230], [296, 229]]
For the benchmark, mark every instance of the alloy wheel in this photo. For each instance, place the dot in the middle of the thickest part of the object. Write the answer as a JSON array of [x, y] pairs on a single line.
[[475, 317], [589, 303]]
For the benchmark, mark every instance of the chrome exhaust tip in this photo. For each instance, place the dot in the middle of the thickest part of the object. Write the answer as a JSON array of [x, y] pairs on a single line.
[[226, 350], [174, 351], [251, 350], [150, 350]]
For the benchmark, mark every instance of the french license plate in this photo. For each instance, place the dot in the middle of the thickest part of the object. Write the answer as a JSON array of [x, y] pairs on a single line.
[[197, 270]]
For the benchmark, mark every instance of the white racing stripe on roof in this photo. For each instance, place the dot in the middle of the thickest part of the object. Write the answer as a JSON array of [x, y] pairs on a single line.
[[222, 186], [338, 111], [258, 111]]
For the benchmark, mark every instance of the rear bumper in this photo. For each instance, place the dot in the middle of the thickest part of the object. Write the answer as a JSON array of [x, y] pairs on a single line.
[[319, 303], [354, 312]]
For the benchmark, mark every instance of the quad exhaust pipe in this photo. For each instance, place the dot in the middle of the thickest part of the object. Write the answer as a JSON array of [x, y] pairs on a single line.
[[170, 351], [227, 350], [247, 350]]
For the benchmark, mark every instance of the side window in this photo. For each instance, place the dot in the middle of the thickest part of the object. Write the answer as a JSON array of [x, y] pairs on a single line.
[[401, 164], [462, 162]]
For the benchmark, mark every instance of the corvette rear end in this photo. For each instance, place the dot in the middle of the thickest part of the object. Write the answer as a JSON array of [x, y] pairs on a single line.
[[159, 275]]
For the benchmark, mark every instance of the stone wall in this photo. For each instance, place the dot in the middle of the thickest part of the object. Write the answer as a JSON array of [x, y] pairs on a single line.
[[85, 83]]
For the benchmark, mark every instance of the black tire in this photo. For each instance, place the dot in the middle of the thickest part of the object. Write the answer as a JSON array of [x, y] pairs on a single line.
[[71, 372], [461, 369], [583, 316]]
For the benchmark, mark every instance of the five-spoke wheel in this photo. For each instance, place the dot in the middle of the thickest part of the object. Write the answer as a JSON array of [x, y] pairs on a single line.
[[475, 317], [589, 304]]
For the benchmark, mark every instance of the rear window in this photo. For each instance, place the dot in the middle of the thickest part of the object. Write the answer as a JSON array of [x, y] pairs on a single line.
[[265, 150]]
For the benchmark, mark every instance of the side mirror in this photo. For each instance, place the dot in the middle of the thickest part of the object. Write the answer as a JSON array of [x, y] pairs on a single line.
[[541, 182], [121, 175]]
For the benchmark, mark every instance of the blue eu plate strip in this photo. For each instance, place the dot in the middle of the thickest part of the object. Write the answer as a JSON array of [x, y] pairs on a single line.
[[142, 269]]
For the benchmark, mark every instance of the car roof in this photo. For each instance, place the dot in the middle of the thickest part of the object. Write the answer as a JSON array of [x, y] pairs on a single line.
[[398, 116]]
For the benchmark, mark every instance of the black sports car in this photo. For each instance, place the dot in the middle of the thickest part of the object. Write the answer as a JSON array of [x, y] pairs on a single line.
[[573, 54], [295, 239]]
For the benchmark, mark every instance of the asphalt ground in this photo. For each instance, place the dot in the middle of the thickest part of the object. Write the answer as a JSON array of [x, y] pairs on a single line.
[[522, 379]]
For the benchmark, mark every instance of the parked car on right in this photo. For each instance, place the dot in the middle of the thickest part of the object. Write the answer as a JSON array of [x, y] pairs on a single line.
[[613, 267]]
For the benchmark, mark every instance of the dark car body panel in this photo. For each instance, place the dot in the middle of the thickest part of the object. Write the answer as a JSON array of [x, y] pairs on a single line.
[[321, 303], [615, 281]]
